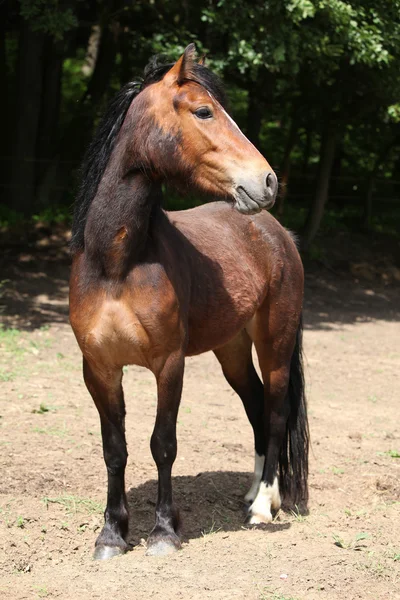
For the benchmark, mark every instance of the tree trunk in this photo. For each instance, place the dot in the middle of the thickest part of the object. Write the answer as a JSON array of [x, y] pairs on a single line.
[[4, 107], [79, 132], [307, 150], [315, 214], [49, 115], [29, 95], [254, 116], [285, 168], [381, 158], [108, 46], [367, 217]]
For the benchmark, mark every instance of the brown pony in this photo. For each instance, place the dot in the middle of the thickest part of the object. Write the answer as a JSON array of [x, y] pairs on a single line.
[[150, 287]]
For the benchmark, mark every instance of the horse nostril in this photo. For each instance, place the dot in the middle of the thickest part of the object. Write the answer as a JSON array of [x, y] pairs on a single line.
[[272, 183]]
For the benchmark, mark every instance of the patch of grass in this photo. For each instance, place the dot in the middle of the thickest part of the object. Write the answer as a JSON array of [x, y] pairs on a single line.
[[75, 504], [391, 453], [211, 530], [297, 515], [41, 410], [351, 544], [51, 431], [337, 471], [53, 214], [10, 340], [339, 541], [375, 568], [393, 554], [372, 398], [362, 536], [269, 595], [20, 522], [36, 346], [42, 592], [6, 375]]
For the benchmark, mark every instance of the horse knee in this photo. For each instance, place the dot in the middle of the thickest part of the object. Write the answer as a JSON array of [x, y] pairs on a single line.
[[163, 448]]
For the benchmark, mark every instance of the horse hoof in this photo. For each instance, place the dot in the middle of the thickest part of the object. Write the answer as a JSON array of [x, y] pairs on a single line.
[[162, 546], [259, 519], [106, 552]]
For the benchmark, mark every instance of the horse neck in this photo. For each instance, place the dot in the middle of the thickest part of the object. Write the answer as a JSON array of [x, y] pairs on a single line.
[[117, 227]]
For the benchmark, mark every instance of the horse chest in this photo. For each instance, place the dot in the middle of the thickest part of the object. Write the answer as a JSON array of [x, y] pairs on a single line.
[[115, 333]]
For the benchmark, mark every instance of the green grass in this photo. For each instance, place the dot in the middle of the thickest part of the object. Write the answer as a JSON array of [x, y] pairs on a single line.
[[337, 471], [41, 591], [44, 408], [353, 544], [20, 522], [75, 504], [10, 340], [391, 453], [50, 215], [210, 530], [52, 431], [7, 375], [268, 595]]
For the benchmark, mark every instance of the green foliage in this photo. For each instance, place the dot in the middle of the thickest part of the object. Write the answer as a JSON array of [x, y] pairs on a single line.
[[47, 17], [298, 62]]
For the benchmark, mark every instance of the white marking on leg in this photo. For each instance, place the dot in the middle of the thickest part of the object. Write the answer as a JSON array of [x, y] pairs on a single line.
[[258, 471], [268, 497]]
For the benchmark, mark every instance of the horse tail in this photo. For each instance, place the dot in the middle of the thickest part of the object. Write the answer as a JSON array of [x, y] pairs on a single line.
[[293, 460]]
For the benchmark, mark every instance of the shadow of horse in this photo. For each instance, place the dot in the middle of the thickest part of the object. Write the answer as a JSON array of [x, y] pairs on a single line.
[[208, 502]]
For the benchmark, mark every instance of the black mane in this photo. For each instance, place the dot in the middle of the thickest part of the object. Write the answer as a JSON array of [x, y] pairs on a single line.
[[99, 151]]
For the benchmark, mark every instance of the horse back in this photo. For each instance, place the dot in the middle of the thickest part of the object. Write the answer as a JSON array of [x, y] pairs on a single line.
[[234, 261]]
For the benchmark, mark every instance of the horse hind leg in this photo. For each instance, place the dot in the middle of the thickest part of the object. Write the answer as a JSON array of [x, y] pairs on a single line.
[[278, 344], [238, 368], [106, 391]]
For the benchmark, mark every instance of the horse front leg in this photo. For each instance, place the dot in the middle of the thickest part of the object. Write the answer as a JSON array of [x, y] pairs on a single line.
[[164, 538], [105, 388]]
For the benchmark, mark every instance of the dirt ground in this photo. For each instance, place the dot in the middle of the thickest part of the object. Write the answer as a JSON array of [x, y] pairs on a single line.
[[53, 480]]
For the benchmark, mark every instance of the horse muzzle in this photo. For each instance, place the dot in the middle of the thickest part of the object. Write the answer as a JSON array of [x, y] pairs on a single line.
[[255, 194]]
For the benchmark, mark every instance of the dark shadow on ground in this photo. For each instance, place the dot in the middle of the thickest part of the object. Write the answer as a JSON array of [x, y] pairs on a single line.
[[332, 300], [34, 290], [208, 502]]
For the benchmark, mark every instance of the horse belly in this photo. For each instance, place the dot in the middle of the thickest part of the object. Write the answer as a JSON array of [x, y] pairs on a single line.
[[215, 322]]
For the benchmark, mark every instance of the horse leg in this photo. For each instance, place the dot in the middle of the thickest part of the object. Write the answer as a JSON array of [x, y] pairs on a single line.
[[108, 396], [278, 345], [164, 538], [238, 368]]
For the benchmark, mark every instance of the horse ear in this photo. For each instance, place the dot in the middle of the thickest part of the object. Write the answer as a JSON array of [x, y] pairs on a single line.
[[182, 69], [202, 60]]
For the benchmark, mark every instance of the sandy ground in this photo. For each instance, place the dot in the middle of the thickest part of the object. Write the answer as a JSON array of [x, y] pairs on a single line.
[[53, 481]]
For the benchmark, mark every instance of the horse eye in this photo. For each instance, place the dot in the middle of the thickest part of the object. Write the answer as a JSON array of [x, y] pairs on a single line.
[[203, 113]]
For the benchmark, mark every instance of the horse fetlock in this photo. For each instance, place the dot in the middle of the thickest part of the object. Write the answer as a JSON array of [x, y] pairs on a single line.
[[259, 461], [268, 498], [162, 543]]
